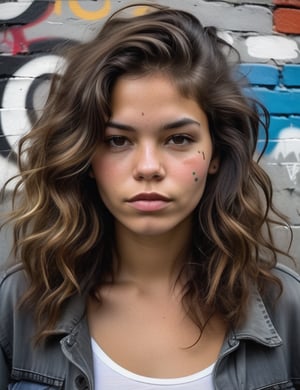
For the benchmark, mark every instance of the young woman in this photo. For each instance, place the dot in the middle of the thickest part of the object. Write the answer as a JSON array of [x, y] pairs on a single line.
[[143, 239]]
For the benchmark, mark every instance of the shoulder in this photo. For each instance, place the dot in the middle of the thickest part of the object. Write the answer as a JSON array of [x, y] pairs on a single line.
[[286, 274], [290, 280], [11, 272], [13, 283], [284, 308]]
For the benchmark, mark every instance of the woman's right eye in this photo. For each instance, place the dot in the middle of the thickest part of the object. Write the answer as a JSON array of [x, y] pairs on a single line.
[[117, 141]]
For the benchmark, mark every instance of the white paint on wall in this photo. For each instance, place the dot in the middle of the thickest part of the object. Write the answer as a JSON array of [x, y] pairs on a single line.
[[292, 169], [8, 169], [278, 48], [14, 123], [287, 151], [10, 10], [13, 115], [43, 64]]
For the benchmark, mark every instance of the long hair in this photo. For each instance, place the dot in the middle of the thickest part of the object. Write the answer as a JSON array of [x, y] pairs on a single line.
[[63, 233]]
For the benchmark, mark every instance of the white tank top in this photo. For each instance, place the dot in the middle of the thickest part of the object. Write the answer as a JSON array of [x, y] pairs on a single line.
[[110, 376]]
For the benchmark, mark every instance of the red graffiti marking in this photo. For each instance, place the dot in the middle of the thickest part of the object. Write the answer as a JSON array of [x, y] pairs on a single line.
[[14, 38]]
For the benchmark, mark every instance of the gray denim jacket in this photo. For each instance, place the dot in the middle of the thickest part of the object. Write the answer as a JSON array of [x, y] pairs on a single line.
[[263, 354]]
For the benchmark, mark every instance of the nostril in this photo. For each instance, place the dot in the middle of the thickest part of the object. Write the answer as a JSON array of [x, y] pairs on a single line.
[[149, 174]]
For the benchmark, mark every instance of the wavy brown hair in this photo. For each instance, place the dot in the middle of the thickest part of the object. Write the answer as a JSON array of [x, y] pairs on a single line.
[[63, 233]]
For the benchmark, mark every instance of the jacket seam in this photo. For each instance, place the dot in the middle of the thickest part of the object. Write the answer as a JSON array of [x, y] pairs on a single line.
[[285, 382], [20, 374], [6, 273], [287, 271], [5, 345]]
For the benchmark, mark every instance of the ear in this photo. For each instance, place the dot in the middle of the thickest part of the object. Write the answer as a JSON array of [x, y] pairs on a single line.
[[213, 165]]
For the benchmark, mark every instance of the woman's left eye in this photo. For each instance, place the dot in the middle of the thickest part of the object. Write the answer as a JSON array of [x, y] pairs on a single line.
[[179, 139]]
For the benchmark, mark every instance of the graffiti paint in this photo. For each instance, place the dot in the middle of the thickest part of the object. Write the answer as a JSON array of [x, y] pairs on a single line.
[[24, 76], [19, 19], [23, 12], [287, 152], [18, 93], [78, 9], [274, 47]]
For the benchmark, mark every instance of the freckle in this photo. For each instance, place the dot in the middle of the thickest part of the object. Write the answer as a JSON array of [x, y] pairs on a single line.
[[196, 179], [194, 173], [143, 114]]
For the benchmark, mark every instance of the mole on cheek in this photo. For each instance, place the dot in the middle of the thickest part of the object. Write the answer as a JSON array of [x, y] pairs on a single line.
[[143, 114], [195, 178]]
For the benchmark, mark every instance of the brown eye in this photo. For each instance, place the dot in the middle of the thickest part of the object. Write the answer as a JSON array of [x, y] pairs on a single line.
[[179, 139], [117, 141]]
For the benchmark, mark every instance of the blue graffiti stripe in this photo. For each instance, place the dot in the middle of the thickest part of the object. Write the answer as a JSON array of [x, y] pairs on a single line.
[[279, 100], [279, 91], [291, 76], [260, 74]]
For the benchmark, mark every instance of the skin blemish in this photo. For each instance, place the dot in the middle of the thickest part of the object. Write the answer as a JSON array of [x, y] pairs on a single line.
[[143, 114], [203, 154], [196, 178]]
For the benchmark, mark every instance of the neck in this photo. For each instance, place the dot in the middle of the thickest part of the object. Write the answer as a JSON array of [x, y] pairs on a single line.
[[147, 260]]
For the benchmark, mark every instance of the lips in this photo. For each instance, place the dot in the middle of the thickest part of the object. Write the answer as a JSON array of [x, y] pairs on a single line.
[[152, 196], [149, 202]]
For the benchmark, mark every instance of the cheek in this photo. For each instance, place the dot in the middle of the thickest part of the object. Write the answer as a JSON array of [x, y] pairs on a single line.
[[104, 171], [108, 165], [194, 170]]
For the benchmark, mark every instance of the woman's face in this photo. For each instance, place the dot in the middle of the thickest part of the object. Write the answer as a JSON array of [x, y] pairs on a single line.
[[152, 167]]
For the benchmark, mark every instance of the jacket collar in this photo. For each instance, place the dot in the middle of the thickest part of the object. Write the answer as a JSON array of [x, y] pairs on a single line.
[[258, 325], [72, 313]]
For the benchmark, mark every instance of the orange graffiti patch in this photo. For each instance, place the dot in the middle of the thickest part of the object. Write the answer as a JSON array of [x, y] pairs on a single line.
[[82, 13]]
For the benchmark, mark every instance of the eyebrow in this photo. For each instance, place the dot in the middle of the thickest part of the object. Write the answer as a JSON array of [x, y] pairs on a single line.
[[180, 123], [169, 126]]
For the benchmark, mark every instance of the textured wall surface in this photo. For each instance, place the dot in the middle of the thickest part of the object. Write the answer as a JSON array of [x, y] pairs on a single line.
[[265, 32]]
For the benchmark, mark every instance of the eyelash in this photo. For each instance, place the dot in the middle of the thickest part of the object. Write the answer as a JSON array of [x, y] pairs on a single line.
[[186, 138], [111, 141]]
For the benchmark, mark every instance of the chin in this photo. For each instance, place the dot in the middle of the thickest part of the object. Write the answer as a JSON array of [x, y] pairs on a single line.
[[153, 229]]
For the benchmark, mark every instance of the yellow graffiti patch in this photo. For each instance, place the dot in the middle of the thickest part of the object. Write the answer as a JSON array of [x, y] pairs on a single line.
[[81, 12], [139, 11], [58, 7]]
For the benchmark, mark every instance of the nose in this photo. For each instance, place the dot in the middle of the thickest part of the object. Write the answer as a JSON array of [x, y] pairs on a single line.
[[148, 163]]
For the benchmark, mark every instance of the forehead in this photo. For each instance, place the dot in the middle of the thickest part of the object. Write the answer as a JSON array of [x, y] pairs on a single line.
[[151, 98], [150, 85]]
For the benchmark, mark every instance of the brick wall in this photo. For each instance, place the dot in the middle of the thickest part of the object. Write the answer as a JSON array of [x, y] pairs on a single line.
[[266, 33]]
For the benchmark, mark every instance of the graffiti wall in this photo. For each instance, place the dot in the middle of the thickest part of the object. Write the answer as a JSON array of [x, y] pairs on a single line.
[[265, 32]]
